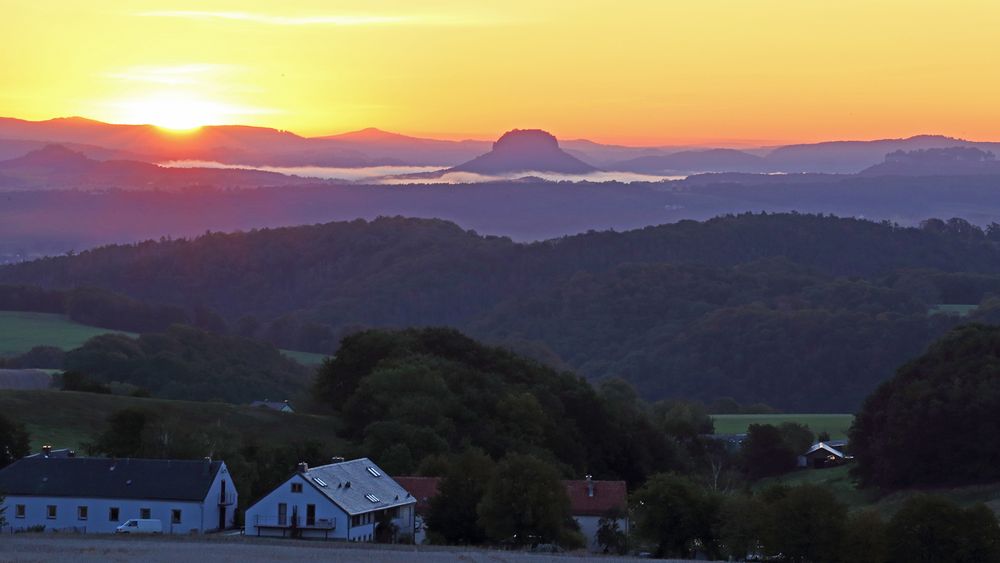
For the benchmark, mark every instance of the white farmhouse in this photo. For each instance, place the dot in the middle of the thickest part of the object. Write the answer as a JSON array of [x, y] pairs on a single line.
[[96, 495], [345, 500]]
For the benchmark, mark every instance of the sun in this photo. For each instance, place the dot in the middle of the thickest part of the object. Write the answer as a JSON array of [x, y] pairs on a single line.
[[176, 112]]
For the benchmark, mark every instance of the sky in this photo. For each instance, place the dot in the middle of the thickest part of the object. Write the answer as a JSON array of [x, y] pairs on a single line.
[[626, 71]]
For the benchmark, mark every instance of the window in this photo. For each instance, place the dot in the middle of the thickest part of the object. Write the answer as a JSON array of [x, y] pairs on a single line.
[[310, 515], [19, 511], [144, 513], [113, 514], [374, 472], [175, 516], [282, 514], [371, 497], [81, 513], [355, 520], [50, 512], [320, 482], [296, 487]]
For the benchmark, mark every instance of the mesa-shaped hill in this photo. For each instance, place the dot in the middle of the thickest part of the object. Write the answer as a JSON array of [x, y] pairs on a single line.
[[525, 150], [953, 161]]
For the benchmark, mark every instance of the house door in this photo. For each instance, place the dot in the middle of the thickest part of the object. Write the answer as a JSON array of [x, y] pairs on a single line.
[[282, 514]]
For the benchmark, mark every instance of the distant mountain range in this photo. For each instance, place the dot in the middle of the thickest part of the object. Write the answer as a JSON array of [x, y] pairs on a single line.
[[57, 167], [260, 146]]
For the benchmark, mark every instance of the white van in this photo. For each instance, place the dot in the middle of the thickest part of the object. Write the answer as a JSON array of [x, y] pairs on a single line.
[[140, 526]]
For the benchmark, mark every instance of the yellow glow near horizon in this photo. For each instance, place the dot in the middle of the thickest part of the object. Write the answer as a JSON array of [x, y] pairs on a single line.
[[630, 71], [179, 113]]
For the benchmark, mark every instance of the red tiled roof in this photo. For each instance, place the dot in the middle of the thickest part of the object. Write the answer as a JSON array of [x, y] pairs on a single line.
[[608, 495], [422, 488]]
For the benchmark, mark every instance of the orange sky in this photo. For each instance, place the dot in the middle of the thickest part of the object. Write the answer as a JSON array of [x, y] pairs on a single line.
[[639, 72]]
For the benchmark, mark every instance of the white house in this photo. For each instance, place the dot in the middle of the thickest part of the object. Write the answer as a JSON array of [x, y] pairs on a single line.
[[280, 406], [591, 500], [345, 500], [96, 495]]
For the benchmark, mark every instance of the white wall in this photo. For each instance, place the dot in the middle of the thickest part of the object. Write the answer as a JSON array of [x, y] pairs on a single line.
[[266, 509], [98, 522], [210, 520]]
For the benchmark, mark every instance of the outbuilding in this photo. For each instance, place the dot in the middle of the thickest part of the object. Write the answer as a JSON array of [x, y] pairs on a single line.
[[96, 495]]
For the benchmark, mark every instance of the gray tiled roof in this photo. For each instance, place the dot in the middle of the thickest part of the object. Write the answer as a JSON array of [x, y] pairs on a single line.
[[353, 498], [94, 477]]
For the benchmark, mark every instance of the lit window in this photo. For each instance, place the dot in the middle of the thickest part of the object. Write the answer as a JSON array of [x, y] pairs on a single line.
[[50, 511], [296, 487], [81, 513]]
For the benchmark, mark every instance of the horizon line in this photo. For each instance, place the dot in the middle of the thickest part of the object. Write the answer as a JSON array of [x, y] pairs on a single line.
[[746, 144]]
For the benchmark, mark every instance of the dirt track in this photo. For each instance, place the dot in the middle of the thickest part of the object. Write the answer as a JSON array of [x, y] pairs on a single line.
[[94, 549]]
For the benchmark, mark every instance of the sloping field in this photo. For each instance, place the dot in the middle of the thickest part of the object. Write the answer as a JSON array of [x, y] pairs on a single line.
[[836, 425], [68, 419], [24, 379], [20, 332]]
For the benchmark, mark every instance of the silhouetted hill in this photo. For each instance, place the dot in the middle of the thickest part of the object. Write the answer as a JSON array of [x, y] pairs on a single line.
[[712, 160], [55, 166], [759, 307], [954, 161], [525, 150]]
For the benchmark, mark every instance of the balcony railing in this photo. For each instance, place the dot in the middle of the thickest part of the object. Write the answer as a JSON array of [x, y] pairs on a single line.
[[289, 522]]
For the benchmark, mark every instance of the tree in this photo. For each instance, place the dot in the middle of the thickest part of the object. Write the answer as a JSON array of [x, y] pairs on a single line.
[[930, 529], [934, 422], [676, 514], [865, 539], [610, 536], [124, 435], [453, 515], [807, 524], [3, 512], [743, 523], [524, 503], [15, 442], [797, 436], [765, 452]]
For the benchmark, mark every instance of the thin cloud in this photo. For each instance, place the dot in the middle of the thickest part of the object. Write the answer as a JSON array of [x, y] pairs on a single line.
[[269, 19], [171, 75]]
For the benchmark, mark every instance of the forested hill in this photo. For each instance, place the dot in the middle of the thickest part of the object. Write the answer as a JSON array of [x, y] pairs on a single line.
[[801, 311]]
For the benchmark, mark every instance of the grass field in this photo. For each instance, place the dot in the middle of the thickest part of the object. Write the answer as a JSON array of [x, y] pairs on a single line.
[[834, 424], [68, 419], [838, 481], [20, 332]]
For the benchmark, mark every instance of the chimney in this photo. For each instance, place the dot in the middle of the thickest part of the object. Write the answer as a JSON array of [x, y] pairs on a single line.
[[71, 453], [337, 459], [46, 450], [303, 467], [590, 486]]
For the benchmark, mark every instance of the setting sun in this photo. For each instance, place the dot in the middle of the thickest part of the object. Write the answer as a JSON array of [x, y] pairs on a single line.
[[173, 111]]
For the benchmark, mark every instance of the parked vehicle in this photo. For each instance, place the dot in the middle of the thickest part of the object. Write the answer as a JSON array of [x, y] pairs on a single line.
[[140, 526]]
